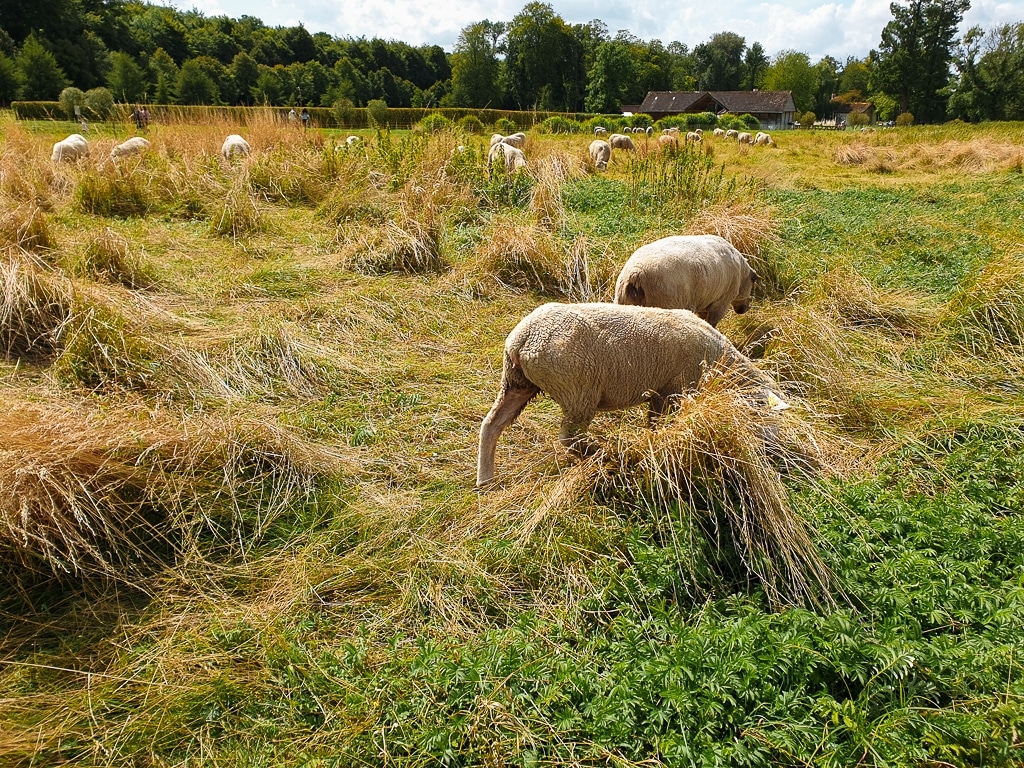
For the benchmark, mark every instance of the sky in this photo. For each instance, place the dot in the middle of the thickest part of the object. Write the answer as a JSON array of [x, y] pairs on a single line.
[[839, 29]]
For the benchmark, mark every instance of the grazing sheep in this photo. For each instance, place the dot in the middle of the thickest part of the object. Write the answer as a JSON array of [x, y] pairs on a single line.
[[745, 138], [352, 141], [496, 138], [668, 142], [517, 140], [702, 273], [699, 131], [732, 133], [650, 130], [600, 152], [720, 132], [621, 141], [693, 136], [606, 357], [513, 157], [133, 146], [763, 138], [600, 130], [71, 148], [235, 146]]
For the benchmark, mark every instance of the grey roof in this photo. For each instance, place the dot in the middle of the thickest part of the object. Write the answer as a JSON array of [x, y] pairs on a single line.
[[739, 102]]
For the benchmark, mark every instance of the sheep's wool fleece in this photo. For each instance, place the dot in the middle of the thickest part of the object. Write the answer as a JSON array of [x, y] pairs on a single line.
[[613, 355]]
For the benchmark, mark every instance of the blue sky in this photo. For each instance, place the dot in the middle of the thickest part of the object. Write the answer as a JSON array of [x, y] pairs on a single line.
[[840, 28]]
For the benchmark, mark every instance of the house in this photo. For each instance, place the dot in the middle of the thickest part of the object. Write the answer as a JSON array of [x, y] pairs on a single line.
[[842, 110], [775, 109]]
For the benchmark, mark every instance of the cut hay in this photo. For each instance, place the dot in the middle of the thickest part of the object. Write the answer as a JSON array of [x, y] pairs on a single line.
[[108, 257], [35, 303], [988, 312], [405, 246], [102, 493], [24, 226]]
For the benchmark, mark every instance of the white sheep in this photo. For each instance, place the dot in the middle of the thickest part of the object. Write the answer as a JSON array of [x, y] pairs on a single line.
[[720, 132], [745, 138], [621, 141], [600, 130], [649, 131], [763, 138], [351, 141], [496, 138], [235, 146], [732, 133], [517, 140], [600, 153], [607, 357], [71, 148], [513, 157], [136, 145], [702, 273], [668, 142], [694, 137]]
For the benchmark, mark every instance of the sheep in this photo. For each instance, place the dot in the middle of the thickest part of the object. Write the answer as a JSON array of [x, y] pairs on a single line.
[[496, 138], [699, 131], [600, 152], [732, 133], [702, 273], [607, 357], [133, 146], [649, 131], [600, 130], [621, 141], [234, 146], [693, 136], [513, 157], [71, 148], [516, 140], [763, 138], [745, 138], [720, 132], [351, 141], [668, 142]]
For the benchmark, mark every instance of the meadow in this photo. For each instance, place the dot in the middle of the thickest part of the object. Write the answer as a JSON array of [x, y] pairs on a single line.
[[238, 443]]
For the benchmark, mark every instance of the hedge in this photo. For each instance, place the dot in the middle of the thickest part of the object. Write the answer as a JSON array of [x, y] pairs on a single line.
[[323, 117]]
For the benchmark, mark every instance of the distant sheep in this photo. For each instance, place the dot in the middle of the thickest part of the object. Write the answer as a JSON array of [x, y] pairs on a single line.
[[745, 138], [351, 141], [732, 133], [517, 140], [720, 132], [650, 130], [512, 157], [607, 357], [235, 146], [702, 273], [133, 146], [693, 136], [668, 141], [600, 153], [763, 139], [600, 130], [71, 148], [621, 141]]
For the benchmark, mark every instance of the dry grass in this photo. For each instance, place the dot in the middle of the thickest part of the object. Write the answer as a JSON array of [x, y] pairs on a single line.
[[988, 313], [109, 257], [24, 226], [34, 305]]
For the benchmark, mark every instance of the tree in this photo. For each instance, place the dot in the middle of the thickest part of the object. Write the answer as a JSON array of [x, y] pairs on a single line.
[[475, 66], [755, 63], [268, 88], [539, 46], [164, 73], [126, 79], [855, 76], [828, 84], [69, 99], [377, 113], [244, 72], [100, 102], [42, 79], [10, 79], [610, 78], [990, 74], [915, 53], [683, 67], [195, 85], [719, 62], [792, 71]]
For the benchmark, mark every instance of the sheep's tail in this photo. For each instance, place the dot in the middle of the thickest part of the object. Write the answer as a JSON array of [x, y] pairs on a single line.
[[630, 291]]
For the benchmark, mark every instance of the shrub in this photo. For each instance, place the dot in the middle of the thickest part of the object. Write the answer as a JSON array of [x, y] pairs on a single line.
[[750, 121], [344, 112], [70, 98], [857, 119], [705, 119], [807, 119], [505, 125], [471, 124], [435, 122], [904, 119], [557, 124], [640, 120], [100, 102], [682, 122], [377, 113]]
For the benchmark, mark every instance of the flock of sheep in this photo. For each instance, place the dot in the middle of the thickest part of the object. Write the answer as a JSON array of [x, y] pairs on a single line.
[[654, 342]]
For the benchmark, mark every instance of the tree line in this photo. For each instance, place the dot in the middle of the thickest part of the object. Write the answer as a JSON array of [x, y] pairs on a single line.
[[149, 53]]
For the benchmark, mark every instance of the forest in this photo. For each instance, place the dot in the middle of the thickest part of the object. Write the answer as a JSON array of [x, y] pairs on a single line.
[[138, 52]]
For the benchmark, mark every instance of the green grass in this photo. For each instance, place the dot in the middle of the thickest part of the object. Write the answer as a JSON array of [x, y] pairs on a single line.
[[296, 414]]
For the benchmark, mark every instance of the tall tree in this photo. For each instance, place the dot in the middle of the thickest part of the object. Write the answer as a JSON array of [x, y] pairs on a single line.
[[755, 63], [244, 71], [990, 74], [828, 84], [610, 78], [195, 84], [164, 76], [719, 62], [10, 80], [126, 79], [475, 66], [539, 45], [792, 71], [915, 53], [41, 77], [683, 74]]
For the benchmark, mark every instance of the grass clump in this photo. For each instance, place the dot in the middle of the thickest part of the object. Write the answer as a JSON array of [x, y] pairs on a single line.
[[111, 191], [35, 304], [24, 226], [108, 257]]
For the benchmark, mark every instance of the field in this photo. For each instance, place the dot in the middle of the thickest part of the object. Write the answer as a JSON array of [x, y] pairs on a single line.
[[238, 443]]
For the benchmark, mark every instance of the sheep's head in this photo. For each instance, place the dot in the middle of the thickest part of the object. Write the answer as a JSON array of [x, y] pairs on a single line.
[[742, 301]]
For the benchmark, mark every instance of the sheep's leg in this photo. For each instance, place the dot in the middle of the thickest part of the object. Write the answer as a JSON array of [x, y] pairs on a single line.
[[714, 315], [573, 433], [506, 408], [656, 407]]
